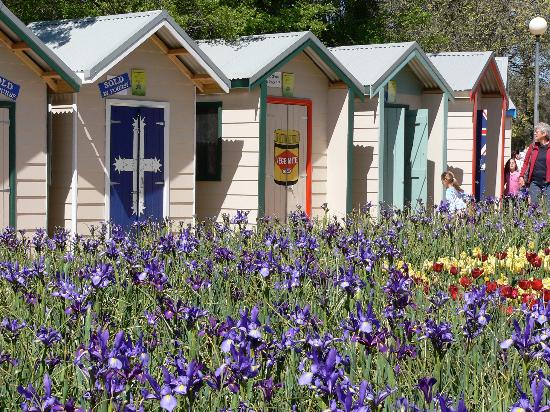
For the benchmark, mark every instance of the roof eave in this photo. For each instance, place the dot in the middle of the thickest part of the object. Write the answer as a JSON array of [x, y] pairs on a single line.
[[38, 47]]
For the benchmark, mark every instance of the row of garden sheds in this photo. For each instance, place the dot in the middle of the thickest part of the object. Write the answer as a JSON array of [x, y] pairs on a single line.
[[125, 118]]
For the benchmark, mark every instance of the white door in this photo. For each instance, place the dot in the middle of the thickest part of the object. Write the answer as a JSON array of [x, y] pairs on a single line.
[[286, 155], [4, 168]]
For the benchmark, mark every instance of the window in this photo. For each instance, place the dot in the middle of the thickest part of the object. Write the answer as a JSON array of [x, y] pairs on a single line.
[[209, 141]]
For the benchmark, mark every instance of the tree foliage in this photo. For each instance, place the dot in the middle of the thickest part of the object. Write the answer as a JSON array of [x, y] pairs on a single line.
[[438, 25]]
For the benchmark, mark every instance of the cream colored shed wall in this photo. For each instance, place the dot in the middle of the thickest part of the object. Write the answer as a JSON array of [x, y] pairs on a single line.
[[459, 142], [238, 189], [311, 83], [435, 102], [337, 151], [366, 133], [60, 200], [165, 83], [31, 138]]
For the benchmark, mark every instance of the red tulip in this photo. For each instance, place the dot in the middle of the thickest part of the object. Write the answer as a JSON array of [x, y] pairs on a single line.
[[454, 270], [509, 292], [536, 284], [547, 251], [465, 281], [453, 290], [546, 295], [501, 255], [437, 267], [526, 298], [524, 284], [491, 286], [477, 272], [536, 262]]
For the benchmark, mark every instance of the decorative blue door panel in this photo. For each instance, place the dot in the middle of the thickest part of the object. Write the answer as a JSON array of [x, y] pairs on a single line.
[[481, 154], [122, 182], [153, 163], [136, 164]]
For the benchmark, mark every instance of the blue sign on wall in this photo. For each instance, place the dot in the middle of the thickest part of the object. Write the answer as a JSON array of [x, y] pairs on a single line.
[[9, 89], [115, 85]]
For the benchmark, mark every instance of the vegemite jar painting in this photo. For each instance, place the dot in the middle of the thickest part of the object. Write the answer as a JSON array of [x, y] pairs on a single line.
[[286, 157]]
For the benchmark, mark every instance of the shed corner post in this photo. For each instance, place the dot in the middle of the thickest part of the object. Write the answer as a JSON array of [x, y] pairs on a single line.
[[381, 146], [12, 166], [262, 149], [445, 137], [351, 127], [74, 179]]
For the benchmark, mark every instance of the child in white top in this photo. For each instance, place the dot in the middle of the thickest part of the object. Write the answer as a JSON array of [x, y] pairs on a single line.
[[454, 194]]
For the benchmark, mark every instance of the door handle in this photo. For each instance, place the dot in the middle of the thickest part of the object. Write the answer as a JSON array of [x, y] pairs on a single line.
[[159, 183], [115, 183]]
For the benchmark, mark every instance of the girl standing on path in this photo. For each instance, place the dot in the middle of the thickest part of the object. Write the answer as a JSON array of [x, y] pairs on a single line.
[[512, 174], [454, 194]]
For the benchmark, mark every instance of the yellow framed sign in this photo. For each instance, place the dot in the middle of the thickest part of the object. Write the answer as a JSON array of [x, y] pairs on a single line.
[[288, 84], [139, 82], [286, 157]]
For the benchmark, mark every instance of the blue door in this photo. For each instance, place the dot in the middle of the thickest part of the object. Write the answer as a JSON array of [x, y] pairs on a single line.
[[481, 154], [416, 156], [137, 164]]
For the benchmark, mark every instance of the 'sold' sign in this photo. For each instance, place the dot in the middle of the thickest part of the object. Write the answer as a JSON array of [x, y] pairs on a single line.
[[115, 85], [9, 89]]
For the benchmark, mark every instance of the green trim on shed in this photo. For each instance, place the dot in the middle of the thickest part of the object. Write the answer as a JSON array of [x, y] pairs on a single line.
[[351, 127], [44, 56], [381, 145], [12, 159], [218, 177], [240, 84], [262, 149], [445, 141], [324, 57]]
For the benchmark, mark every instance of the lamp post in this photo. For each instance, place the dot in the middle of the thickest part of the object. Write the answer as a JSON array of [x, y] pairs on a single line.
[[537, 27]]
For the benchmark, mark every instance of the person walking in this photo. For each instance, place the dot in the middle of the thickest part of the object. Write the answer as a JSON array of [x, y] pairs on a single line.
[[535, 172]]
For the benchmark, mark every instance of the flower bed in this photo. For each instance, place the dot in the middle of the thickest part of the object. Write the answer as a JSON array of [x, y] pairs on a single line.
[[407, 312]]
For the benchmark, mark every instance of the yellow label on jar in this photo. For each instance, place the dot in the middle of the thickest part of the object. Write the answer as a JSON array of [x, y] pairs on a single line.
[[286, 157]]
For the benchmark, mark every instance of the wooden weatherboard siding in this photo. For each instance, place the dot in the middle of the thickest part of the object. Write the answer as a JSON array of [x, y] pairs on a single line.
[[30, 168], [238, 188], [459, 141], [165, 83]]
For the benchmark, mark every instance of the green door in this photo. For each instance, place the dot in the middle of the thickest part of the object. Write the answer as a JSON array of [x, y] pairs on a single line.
[[416, 160], [394, 154]]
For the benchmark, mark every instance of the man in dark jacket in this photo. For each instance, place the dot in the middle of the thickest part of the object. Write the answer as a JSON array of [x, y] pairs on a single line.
[[536, 166]]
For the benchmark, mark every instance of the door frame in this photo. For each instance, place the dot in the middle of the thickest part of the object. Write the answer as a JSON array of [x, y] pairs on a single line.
[[107, 168], [309, 105], [12, 161]]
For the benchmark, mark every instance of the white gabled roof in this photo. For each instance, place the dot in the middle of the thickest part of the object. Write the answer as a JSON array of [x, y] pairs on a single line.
[[461, 69], [252, 57], [92, 45], [374, 64]]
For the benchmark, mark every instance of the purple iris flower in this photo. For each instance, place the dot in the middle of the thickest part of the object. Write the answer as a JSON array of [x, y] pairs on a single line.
[[102, 275], [364, 323], [426, 386], [240, 218], [349, 281], [440, 335], [524, 340], [446, 404], [168, 401], [324, 373], [268, 388], [48, 336], [475, 311], [154, 274], [12, 327], [47, 403]]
